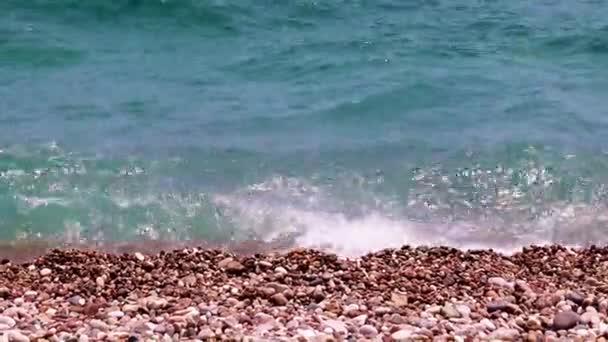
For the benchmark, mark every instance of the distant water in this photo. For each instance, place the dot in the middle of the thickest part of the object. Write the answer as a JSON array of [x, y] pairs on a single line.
[[347, 125]]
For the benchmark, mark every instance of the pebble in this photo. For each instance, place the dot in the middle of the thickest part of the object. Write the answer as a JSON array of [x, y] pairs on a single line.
[[501, 282], [501, 305], [139, 256], [351, 310], [338, 326], [368, 331], [116, 314], [279, 299], [590, 317], [318, 294], [127, 308], [76, 300], [98, 324], [359, 320], [533, 324], [565, 320], [402, 335], [45, 272], [100, 281], [487, 324], [16, 336], [449, 310], [8, 321], [30, 295], [156, 303], [399, 299], [575, 297], [234, 267], [505, 334], [464, 310], [280, 270], [306, 333], [264, 264], [382, 310]]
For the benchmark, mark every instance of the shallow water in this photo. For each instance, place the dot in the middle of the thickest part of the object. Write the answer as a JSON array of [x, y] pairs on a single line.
[[346, 125]]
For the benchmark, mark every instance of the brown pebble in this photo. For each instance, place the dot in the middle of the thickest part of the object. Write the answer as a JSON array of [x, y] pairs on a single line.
[[279, 299], [234, 267]]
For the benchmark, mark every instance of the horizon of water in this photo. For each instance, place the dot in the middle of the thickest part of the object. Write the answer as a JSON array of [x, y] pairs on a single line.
[[344, 125]]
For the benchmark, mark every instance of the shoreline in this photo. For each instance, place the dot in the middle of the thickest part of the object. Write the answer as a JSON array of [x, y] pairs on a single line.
[[425, 293]]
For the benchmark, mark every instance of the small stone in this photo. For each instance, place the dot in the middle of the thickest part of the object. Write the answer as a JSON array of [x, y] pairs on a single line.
[[501, 305], [318, 294], [45, 272], [338, 326], [402, 335], [267, 291], [306, 333], [382, 310], [98, 324], [139, 256], [264, 264], [261, 318], [533, 336], [523, 286], [464, 310], [487, 324], [351, 310], [279, 299], [501, 282], [505, 334], [16, 336], [565, 320], [434, 309], [368, 331], [575, 297], [130, 308], [83, 338], [116, 314], [30, 295], [590, 317], [100, 281], [8, 321], [234, 267], [558, 296], [396, 319], [4, 292], [156, 303], [449, 310], [76, 300], [280, 270], [399, 299], [360, 320], [533, 324]]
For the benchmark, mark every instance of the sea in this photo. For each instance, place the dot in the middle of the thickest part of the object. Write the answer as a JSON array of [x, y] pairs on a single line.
[[343, 125]]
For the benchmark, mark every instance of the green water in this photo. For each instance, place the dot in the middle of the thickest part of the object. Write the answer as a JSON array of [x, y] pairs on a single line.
[[468, 123]]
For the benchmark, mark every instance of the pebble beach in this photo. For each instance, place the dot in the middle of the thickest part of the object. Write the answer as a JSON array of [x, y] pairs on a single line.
[[548, 293]]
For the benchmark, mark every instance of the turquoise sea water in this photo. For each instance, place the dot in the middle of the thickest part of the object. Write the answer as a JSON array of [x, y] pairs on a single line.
[[351, 125]]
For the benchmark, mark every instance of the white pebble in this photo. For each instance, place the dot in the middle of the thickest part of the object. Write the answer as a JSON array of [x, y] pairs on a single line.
[[16, 336], [116, 314], [45, 272], [280, 270], [8, 321]]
